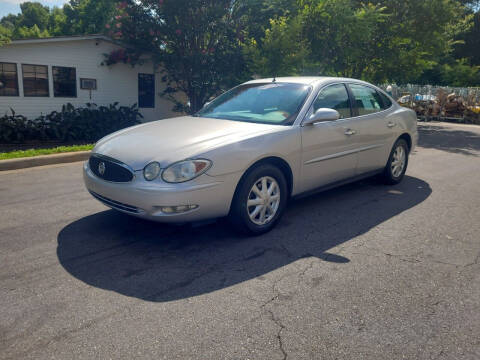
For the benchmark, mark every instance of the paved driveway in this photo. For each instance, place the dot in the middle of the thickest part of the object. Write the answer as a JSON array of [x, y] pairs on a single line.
[[365, 271]]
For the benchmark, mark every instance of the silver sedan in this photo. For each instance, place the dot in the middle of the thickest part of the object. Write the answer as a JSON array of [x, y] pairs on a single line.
[[247, 152]]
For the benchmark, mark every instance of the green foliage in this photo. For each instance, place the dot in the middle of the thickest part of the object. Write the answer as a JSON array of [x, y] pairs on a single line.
[[281, 52], [5, 35], [343, 38], [34, 13], [36, 152], [255, 15], [87, 16], [77, 17], [469, 48], [88, 123], [460, 73], [23, 32], [206, 46], [379, 40], [195, 42], [421, 35]]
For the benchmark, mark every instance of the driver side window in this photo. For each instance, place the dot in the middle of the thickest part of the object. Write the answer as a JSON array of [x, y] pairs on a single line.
[[334, 97]]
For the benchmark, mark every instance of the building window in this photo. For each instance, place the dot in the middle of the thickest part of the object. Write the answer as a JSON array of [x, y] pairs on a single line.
[[8, 79], [146, 90], [64, 81], [35, 80]]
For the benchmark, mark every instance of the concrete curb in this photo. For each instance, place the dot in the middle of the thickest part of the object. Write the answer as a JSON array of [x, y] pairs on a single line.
[[21, 163]]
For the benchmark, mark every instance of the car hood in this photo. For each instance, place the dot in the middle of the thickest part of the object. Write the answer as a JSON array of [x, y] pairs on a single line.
[[175, 139]]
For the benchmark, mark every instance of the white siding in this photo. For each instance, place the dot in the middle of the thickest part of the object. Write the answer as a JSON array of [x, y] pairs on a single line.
[[117, 83]]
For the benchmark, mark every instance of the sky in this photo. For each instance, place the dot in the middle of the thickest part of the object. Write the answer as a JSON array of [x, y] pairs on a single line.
[[13, 6]]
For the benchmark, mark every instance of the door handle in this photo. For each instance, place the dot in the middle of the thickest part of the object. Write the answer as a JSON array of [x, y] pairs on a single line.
[[391, 124], [350, 132]]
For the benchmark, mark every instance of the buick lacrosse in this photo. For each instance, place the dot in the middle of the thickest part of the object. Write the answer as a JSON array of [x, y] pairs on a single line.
[[247, 152]]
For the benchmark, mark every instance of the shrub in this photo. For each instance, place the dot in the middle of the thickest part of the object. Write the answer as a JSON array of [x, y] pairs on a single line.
[[88, 123]]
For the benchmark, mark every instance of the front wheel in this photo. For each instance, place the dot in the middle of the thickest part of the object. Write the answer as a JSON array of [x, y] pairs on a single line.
[[259, 201], [397, 163]]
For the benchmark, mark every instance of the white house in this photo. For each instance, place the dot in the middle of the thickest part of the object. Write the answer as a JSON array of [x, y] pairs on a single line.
[[38, 76]]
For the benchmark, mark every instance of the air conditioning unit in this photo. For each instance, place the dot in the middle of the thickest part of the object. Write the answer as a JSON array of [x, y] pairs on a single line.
[[88, 84]]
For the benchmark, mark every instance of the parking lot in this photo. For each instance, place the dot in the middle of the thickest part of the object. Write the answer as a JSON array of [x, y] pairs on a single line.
[[365, 271]]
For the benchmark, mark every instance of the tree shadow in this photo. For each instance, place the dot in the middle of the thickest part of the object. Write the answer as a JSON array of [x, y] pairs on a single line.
[[157, 262], [448, 139]]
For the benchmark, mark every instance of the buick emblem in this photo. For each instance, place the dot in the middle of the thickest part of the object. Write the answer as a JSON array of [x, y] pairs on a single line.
[[101, 168]]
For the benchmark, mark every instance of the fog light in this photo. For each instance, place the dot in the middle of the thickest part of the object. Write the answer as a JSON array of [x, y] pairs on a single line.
[[177, 209]]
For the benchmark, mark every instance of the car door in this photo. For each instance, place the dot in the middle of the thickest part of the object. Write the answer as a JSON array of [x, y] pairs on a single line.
[[374, 126], [328, 148]]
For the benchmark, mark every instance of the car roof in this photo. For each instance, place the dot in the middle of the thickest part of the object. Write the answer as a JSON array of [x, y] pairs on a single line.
[[307, 80]]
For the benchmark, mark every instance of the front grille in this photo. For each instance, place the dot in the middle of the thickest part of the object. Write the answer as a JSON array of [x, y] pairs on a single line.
[[116, 204], [110, 169]]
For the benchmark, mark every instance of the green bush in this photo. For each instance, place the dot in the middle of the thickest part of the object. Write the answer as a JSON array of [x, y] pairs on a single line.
[[86, 124]]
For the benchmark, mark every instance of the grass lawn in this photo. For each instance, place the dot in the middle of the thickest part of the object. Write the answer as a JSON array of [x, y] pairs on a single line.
[[35, 152]]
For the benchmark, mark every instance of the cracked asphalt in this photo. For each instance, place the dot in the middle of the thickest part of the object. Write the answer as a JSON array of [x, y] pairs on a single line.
[[365, 271]]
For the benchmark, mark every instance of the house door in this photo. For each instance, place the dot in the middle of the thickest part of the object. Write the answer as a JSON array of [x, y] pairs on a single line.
[[146, 90]]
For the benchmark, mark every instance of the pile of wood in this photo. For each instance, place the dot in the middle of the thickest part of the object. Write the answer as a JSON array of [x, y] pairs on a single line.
[[445, 106], [472, 115], [426, 108], [451, 105]]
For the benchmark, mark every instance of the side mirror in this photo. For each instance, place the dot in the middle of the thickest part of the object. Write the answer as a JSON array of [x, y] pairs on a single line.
[[322, 115], [206, 104]]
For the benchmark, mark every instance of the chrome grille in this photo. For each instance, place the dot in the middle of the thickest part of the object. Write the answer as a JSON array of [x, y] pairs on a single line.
[[110, 169]]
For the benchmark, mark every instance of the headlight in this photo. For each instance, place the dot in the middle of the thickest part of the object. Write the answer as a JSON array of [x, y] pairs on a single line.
[[185, 170], [151, 171]]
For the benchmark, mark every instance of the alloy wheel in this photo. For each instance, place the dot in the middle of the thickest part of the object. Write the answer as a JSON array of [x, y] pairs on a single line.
[[398, 161], [263, 200]]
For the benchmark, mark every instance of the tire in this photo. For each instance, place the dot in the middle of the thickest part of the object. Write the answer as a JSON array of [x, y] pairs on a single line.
[[396, 167], [259, 218]]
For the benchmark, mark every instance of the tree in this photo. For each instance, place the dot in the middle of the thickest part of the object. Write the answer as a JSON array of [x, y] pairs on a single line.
[[57, 22], [24, 32], [33, 21], [256, 15], [379, 41], [205, 46], [87, 16], [281, 52], [9, 21], [34, 13], [470, 47], [417, 36], [77, 17], [196, 43], [343, 39], [5, 35]]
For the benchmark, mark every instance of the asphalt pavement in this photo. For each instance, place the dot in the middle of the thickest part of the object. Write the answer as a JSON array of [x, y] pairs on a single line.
[[365, 271]]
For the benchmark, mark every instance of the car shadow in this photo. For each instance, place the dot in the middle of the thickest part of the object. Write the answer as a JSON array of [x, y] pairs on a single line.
[[158, 262], [447, 139]]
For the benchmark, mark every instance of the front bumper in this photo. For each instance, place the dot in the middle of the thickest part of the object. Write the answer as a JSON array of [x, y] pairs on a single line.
[[141, 198]]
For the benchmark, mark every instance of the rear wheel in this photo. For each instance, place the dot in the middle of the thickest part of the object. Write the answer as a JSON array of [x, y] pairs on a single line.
[[260, 200], [397, 163]]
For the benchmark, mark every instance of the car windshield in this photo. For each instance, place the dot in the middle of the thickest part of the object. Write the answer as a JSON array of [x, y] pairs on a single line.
[[265, 103]]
